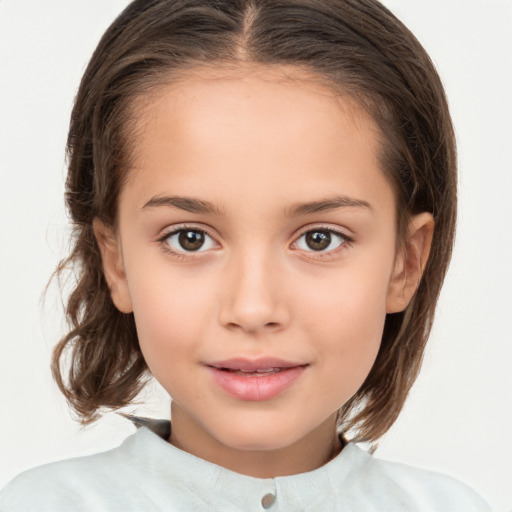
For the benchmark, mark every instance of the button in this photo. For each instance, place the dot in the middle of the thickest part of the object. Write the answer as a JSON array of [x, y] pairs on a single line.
[[268, 500]]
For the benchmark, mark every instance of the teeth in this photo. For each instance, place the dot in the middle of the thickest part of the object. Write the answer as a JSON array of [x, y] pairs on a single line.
[[260, 371]]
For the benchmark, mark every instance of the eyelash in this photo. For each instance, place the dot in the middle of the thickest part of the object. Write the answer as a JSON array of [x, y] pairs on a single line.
[[345, 243]]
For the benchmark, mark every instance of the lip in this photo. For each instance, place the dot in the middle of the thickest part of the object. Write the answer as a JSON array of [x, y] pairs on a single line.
[[266, 377], [251, 365]]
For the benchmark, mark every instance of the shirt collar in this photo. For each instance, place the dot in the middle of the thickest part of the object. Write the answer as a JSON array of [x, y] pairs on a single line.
[[173, 466]]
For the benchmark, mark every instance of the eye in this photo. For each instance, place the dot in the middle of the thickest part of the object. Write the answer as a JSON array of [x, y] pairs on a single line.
[[188, 240], [321, 240]]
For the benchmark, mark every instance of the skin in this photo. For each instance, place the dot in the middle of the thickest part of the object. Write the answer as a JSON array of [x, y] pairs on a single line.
[[256, 142]]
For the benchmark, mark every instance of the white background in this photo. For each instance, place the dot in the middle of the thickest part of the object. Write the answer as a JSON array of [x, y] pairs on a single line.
[[458, 418]]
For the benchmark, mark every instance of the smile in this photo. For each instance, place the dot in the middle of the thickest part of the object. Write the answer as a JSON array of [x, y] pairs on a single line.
[[255, 380], [254, 373]]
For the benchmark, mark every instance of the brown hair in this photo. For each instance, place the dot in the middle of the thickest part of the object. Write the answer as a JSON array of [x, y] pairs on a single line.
[[355, 46]]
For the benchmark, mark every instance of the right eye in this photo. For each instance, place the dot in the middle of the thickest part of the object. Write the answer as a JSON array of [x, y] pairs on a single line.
[[185, 240]]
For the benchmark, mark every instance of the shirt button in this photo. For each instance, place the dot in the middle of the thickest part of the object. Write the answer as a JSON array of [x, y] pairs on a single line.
[[268, 500]]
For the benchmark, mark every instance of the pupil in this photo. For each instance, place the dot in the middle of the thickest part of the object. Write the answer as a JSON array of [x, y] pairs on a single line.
[[318, 240], [191, 240]]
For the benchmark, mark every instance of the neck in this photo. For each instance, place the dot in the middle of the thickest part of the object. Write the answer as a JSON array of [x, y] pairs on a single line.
[[310, 452]]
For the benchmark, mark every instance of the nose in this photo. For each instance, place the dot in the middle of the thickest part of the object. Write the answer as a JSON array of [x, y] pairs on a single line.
[[253, 299]]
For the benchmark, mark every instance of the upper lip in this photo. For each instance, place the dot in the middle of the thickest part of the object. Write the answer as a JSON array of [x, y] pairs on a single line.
[[251, 365]]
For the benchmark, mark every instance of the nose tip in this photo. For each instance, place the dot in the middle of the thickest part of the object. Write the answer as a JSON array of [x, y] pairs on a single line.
[[252, 326], [252, 313], [253, 301]]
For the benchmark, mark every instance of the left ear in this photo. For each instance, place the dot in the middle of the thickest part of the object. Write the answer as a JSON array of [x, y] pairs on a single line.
[[410, 262]]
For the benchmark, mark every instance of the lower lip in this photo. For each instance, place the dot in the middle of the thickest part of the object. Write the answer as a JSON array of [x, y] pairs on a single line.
[[255, 388]]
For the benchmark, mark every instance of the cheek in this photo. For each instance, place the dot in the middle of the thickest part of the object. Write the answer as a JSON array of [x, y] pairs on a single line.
[[347, 321], [351, 301], [169, 313], [352, 328]]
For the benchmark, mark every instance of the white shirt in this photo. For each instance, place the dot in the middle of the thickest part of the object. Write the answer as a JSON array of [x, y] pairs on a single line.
[[146, 473]]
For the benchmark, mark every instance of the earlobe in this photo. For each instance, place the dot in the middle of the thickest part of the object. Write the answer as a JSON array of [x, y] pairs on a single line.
[[113, 266], [410, 262]]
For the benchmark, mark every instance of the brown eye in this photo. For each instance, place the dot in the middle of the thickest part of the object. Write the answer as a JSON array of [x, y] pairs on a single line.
[[191, 240], [320, 240], [188, 240]]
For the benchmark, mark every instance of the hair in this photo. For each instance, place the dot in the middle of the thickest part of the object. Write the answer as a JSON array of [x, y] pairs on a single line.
[[356, 47]]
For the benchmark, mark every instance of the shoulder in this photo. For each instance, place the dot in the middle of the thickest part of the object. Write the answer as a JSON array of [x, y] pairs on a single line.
[[63, 485], [416, 488]]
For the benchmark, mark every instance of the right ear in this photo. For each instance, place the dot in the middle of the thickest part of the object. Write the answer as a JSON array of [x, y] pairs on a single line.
[[113, 265]]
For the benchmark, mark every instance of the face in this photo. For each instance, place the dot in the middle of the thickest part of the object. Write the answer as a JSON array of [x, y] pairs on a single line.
[[256, 248]]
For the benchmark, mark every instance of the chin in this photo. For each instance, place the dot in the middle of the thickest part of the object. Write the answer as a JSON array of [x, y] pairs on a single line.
[[260, 437]]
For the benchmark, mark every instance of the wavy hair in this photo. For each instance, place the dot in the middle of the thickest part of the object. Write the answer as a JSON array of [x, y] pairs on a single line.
[[357, 47]]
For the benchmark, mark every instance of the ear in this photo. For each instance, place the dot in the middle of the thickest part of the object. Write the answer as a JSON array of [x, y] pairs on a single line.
[[410, 263], [113, 265]]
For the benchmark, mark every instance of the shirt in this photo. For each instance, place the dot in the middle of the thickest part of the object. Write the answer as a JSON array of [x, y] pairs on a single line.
[[146, 473]]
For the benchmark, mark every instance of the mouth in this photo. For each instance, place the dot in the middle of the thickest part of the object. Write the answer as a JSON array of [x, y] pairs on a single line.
[[254, 367], [256, 379], [260, 372]]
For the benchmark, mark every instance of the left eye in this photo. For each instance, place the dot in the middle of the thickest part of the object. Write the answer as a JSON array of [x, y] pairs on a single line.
[[189, 240], [320, 240]]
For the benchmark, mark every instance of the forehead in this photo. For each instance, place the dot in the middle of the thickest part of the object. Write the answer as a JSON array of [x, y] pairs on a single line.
[[257, 130], [251, 85], [257, 94]]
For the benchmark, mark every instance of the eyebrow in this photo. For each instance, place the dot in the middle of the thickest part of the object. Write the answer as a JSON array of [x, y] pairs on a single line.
[[188, 204], [194, 205], [327, 204]]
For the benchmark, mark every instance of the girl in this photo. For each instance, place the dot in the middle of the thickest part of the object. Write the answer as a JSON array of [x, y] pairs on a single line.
[[264, 200]]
